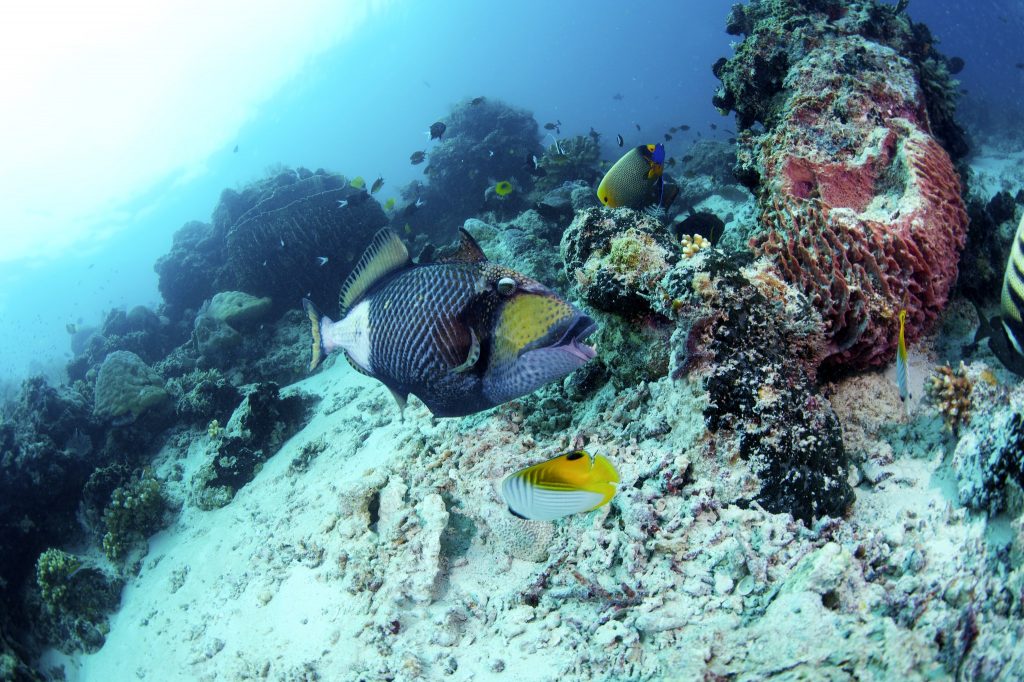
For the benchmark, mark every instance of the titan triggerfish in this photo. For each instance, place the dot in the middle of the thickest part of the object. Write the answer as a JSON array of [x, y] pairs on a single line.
[[462, 334]]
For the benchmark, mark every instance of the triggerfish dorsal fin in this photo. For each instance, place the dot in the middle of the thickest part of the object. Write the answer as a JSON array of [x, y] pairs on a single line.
[[567, 484], [468, 251], [385, 254]]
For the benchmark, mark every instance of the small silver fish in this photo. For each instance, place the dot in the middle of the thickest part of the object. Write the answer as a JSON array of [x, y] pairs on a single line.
[[342, 203], [282, 243], [420, 202], [490, 153], [322, 260]]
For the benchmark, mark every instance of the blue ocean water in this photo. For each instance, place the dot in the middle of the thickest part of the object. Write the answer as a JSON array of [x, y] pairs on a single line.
[[362, 106]]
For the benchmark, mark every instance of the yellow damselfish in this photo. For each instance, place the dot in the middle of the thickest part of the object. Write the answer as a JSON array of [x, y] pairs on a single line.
[[570, 483], [503, 188]]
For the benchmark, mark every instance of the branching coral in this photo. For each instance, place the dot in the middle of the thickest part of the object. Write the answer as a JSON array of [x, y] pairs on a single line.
[[950, 391]]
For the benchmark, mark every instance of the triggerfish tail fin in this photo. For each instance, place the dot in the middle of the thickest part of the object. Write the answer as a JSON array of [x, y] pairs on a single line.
[[385, 254], [567, 484], [902, 382], [317, 355]]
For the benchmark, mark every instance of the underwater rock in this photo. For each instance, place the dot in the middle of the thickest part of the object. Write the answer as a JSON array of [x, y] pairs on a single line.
[[187, 273], [126, 388], [238, 308], [989, 457], [860, 205], [616, 257], [756, 347], [255, 432], [71, 601]]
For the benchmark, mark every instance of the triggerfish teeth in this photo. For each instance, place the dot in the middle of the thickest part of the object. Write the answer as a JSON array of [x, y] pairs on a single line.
[[571, 483], [461, 333]]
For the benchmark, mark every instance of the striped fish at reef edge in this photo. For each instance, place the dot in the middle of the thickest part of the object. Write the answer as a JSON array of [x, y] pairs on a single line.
[[462, 334]]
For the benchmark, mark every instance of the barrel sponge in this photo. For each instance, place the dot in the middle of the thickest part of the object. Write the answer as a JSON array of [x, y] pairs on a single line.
[[238, 308], [126, 387]]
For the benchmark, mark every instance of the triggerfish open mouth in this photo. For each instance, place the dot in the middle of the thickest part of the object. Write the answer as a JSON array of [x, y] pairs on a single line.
[[572, 341], [540, 339]]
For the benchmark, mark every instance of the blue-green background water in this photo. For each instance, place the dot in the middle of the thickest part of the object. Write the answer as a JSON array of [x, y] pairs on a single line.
[[362, 107]]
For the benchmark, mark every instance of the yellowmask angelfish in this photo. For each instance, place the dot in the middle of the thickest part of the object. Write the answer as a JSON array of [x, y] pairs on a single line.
[[637, 180], [567, 484], [462, 334], [1007, 333]]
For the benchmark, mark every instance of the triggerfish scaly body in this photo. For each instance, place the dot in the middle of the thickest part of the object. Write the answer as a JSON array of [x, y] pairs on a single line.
[[902, 380], [462, 334], [567, 484]]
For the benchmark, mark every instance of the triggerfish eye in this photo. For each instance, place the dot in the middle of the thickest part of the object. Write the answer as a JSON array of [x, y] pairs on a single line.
[[567, 484]]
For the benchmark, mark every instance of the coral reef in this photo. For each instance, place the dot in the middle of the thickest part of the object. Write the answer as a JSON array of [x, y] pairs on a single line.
[[484, 143], [74, 600], [950, 391], [49, 444], [570, 159], [860, 205], [135, 511], [762, 402], [268, 239], [616, 256], [126, 388], [257, 428]]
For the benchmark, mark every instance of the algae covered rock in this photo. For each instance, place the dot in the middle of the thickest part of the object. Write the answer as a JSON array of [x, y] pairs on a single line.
[[126, 388], [238, 308], [135, 511], [72, 601], [616, 257], [254, 434]]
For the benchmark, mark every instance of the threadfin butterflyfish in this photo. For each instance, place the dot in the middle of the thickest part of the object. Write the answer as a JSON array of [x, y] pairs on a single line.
[[389, 204], [461, 333], [570, 483], [358, 182], [902, 368], [630, 182]]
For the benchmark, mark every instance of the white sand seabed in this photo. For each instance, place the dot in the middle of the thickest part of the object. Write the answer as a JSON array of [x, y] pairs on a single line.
[[240, 592]]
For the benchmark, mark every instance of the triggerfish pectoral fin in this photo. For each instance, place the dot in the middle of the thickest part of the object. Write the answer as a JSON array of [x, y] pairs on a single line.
[[317, 353], [567, 484]]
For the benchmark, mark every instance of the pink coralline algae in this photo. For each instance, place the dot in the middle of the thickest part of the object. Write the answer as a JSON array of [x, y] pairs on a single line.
[[860, 205]]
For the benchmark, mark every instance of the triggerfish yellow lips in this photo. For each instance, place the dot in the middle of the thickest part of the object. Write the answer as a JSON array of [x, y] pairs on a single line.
[[539, 338]]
